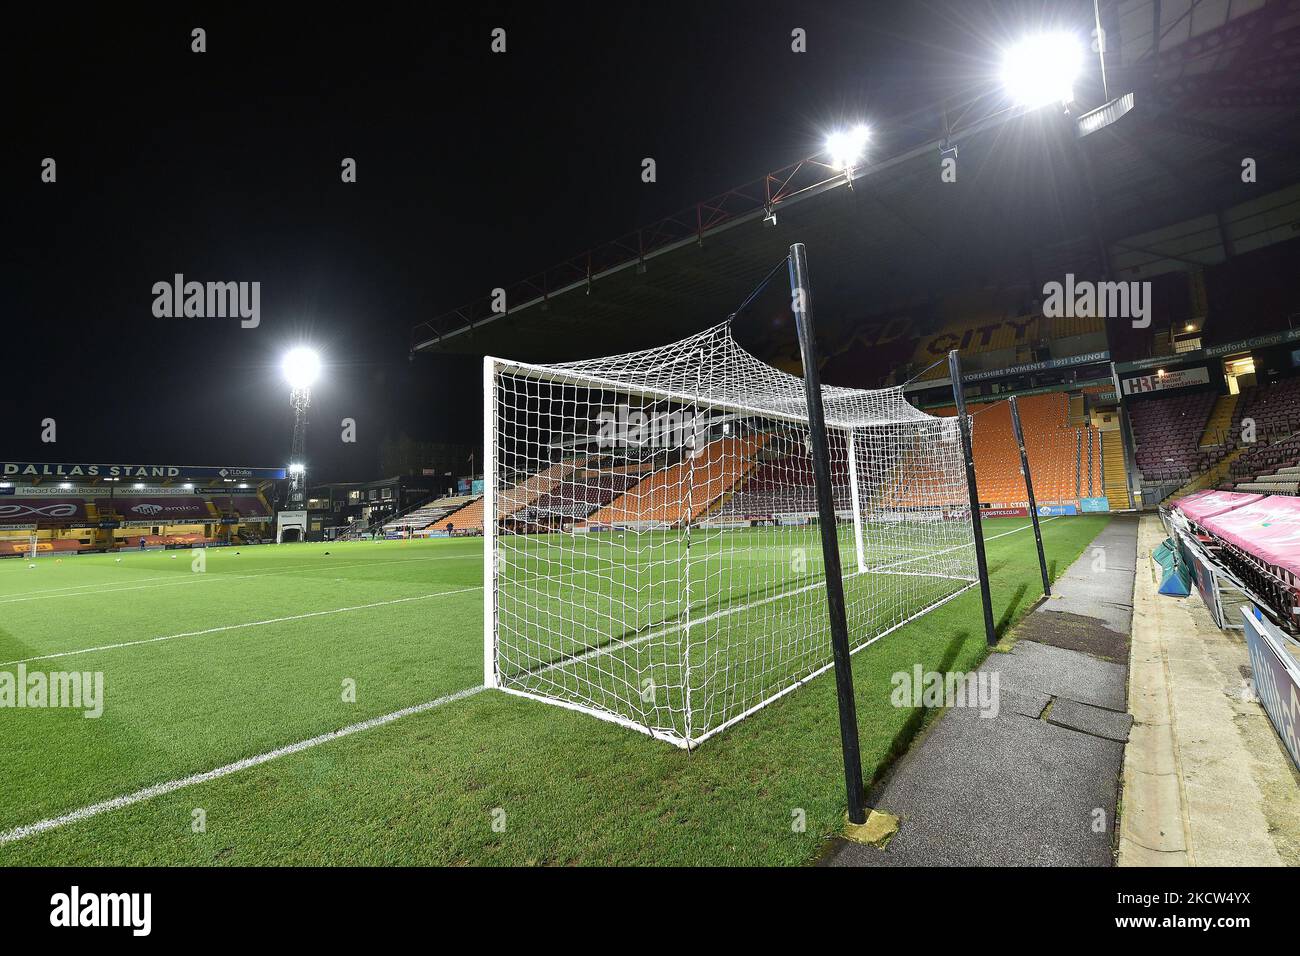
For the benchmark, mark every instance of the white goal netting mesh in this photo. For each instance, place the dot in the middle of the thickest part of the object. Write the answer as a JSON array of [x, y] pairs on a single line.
[[653, 551]]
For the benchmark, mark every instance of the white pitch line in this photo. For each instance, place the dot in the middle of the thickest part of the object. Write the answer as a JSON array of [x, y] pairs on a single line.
[[236, 627], [159, 789]]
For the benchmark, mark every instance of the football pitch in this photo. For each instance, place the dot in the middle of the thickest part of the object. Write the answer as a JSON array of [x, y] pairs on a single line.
[[292, 706]]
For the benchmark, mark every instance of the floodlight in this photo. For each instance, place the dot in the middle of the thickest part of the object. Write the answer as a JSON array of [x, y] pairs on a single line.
[[301, 366], [297, 468], [847, 147], [1042, 69]]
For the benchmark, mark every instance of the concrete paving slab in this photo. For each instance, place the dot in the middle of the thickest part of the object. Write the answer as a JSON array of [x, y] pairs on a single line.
[[1090, 720], [1034, 667], [1112, 585], [1152, 811]]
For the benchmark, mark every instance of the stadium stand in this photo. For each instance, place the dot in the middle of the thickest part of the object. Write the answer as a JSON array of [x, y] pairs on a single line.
[[713, 473], [783, 484], [87, 518], [578, 495], [1265, 460], [427, 514], [1168, 433], [467, 518], [1057, 442]]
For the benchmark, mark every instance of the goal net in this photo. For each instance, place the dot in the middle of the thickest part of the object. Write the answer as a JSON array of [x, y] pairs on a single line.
[[653, 554]]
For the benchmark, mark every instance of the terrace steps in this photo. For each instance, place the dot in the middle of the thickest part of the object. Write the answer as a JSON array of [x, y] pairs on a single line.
[[1078, 410], [1114, 479], [1219, 422]]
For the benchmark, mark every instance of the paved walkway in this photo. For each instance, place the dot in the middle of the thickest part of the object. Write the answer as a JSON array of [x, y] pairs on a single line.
[[1207, 781], [1038, 783]]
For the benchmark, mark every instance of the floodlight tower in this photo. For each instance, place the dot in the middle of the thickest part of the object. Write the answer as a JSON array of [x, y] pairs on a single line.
[[301, 367]]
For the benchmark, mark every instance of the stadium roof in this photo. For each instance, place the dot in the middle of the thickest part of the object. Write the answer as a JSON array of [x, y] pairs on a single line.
[[1219, 86]]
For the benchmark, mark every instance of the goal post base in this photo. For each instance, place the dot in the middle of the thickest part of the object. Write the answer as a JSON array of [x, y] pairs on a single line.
[[877, 831]]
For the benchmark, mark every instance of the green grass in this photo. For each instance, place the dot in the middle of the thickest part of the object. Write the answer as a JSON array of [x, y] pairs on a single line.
[[422, 789]]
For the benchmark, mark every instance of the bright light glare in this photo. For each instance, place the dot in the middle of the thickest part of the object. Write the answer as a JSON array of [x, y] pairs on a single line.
[[1042, 69], [296, 469], [301, 367], [847, 147]]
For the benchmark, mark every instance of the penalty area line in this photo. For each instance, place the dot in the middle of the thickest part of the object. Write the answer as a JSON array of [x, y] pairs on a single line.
[[161, 789]]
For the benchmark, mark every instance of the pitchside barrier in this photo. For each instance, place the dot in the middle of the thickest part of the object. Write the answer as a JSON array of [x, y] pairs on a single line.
[[1276, 676]]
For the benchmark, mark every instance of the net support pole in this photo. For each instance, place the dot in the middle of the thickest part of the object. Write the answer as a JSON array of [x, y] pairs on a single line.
[[977, 524], [801, 299], [1029, 488], [489, 521], [856, 498]]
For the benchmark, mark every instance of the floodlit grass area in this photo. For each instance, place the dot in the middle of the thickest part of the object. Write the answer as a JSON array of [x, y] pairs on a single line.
[[203, 670]]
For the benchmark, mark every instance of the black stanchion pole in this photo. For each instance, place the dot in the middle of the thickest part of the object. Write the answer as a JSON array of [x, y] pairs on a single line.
[[1029, 487], [977, 524], [821, 461]]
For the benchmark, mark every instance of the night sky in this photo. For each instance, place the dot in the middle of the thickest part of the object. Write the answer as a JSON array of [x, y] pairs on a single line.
[[474, 170]]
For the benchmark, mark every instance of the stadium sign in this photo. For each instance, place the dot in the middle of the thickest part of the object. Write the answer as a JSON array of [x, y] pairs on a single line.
[[1087, 358], [1178, 378], [65, 471], [1210, 351]]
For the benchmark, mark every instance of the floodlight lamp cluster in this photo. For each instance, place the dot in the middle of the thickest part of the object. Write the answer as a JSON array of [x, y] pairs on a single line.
[[847, 147], [301, 367], [1040, 70]]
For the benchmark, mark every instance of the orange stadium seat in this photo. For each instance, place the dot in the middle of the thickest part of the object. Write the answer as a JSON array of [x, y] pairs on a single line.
[[1057, 452]]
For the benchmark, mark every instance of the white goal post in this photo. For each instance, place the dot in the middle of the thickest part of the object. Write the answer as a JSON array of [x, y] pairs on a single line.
[[652, 554]]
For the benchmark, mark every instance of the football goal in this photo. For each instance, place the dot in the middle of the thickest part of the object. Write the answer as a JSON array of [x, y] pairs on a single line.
[[652, 549]]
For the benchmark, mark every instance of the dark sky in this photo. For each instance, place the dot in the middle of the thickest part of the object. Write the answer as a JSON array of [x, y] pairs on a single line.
[[474, 170]]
